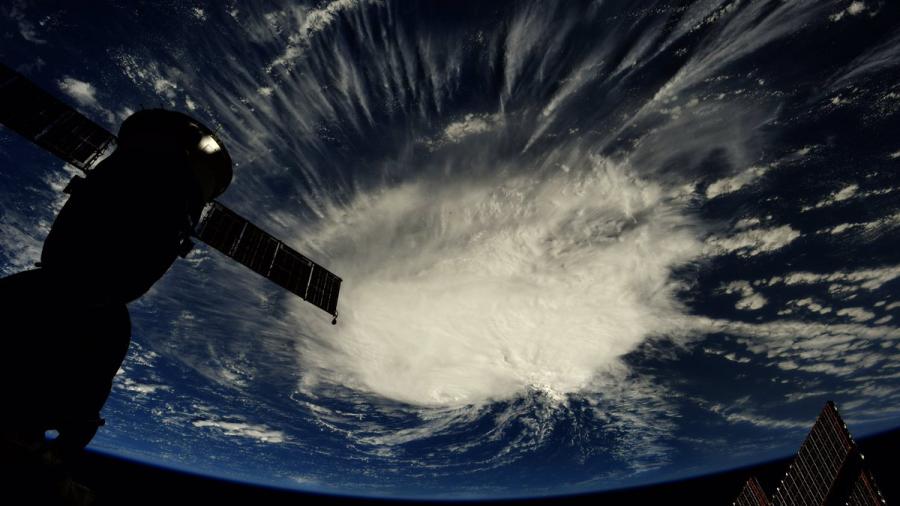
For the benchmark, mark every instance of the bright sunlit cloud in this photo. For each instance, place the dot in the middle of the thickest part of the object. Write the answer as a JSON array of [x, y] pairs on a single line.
[[466, 292]]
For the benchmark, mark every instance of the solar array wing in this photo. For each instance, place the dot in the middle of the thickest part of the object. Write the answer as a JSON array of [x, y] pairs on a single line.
[[43, 119], [821, 461], [228, 232]]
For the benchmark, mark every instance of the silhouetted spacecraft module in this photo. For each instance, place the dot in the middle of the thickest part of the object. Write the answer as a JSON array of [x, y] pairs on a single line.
[[61, 130]]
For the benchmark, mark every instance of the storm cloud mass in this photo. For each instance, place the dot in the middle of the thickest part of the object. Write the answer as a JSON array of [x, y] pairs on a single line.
[[592, 242]]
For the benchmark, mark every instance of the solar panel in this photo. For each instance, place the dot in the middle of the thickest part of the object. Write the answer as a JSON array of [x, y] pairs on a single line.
[[752, 494], [819, 462], [864, 491], [43, 119], [228, 232]]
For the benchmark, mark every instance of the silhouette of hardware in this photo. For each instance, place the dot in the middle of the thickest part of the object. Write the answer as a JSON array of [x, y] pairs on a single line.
[[66, 327], [61, 130]]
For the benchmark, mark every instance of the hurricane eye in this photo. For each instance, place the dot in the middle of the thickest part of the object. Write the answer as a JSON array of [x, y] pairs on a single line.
[[208, 144]]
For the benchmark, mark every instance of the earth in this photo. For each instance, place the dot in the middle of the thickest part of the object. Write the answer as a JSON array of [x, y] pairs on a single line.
[[585, 244]]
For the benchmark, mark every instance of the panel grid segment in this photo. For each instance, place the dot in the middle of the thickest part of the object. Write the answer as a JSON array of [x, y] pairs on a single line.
[[228, 232], [48, 122]]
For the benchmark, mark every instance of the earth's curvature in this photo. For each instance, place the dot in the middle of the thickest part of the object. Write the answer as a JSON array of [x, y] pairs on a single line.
[[584, 245]]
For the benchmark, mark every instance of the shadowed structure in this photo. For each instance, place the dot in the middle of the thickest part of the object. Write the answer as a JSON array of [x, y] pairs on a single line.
[[67, 327], [827, 470]]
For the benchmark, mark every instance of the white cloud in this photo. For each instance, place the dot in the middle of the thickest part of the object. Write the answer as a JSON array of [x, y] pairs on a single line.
[[311, 22], [734, 183], [260, 433], [84, 93], [138, 388], [752, 242], [745, 223], [734, 358], [854, 9], [750, 300], [812, 305], [124, 113], [470, 125], [841, 195], [856, 314], [823, 349], [165, 87], [866, 279], [751, 303], [843, 227], [199, 13], [845, 193], [461, 293], [733, 415], [880, 224], [23, 230], [892, 305]]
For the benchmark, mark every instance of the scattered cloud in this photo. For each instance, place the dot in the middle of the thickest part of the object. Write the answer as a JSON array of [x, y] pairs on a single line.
[[878, 225], [130, 385], [470, 125], [165, 87], [752, 242], [310, 23], [736, 415], [745, 223], [83, 92], [811, 305], [854, 9], [734, 183], [260, 433], [23, 229], [863, 279], [856, 314], [750, 300], [825, 349], [85, 95], [841, 195]]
